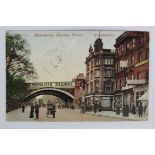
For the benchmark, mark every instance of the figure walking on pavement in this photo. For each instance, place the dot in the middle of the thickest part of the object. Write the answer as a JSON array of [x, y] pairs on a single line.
[[140, 109], [23, 107], [133, 110], [36, 110], [31, 111], [53, 110]]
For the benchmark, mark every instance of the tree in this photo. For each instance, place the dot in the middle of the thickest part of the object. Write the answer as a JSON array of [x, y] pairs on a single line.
[[16, 88], [18, 66], [17, 57]]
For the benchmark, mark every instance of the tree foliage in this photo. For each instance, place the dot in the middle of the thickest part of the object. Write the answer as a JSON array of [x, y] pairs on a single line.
[[18, 66], [17, 57], [16, 88]]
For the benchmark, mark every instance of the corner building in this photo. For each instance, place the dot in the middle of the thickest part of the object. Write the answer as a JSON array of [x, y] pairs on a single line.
[[131, 67], [100, 75]]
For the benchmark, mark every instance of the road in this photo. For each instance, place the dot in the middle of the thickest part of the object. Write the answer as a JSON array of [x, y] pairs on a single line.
[[62, 115]]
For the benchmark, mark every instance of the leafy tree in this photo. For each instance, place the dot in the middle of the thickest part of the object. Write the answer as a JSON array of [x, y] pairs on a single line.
[[18, 66], [16, 88], [17, 57]]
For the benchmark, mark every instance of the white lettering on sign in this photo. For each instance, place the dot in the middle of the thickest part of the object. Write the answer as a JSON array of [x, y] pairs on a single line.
[[68, 84]]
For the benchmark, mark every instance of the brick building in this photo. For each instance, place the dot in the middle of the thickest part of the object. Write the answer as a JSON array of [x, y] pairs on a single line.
[[79, 91], [100, 74], [131, 67]]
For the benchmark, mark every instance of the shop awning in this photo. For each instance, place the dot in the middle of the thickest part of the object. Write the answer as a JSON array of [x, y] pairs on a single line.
[[136, 82], [144, 97]]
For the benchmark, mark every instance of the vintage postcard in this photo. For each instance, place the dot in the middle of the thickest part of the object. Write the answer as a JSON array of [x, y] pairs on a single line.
[[77, 75]]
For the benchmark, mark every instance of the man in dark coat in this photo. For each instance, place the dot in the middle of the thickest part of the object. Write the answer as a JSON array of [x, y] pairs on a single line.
[[127, 110], [117, 109], [133, 110], [140, 110], [36, 110], [32, 111], [23, 107], [53, 110], [123, 110]]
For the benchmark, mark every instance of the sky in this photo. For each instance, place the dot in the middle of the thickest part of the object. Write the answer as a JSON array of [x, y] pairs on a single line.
[[60, 55]]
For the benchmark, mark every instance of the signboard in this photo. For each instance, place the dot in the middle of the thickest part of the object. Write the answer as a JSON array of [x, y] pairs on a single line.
[[123, 64], [68, 84]]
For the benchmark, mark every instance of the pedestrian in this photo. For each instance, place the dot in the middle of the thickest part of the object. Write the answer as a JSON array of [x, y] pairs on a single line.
[[117, 108], [48, 107], [53, 110], [36, 110], [83, 107], [95, 107], [127, 110], [23, 107], [31, 111], [133, 110], [140, 109], [123, 110]]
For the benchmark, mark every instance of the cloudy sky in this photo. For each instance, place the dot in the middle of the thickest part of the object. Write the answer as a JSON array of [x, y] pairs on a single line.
[[60, 55]]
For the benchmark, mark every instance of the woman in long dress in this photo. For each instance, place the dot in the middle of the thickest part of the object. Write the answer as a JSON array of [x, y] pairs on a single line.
[[32, 111]]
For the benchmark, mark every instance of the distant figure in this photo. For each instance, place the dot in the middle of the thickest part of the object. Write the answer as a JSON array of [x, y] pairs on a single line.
[[95, 107], [83, 107], [140, 110], [49, 107], [133, 110], [118, 109], [125, 111], [23, 107], [36, 107], [53, 110], [32, 111]]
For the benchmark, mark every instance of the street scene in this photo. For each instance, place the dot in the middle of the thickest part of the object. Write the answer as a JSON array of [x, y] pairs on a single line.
[[77, 76]]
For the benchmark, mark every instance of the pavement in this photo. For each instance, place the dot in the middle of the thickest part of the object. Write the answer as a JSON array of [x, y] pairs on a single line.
[[113, 115]]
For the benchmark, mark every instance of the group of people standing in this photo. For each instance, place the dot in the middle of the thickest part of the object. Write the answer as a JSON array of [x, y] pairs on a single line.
[[88, 107], [126, 110], [34, 108]]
